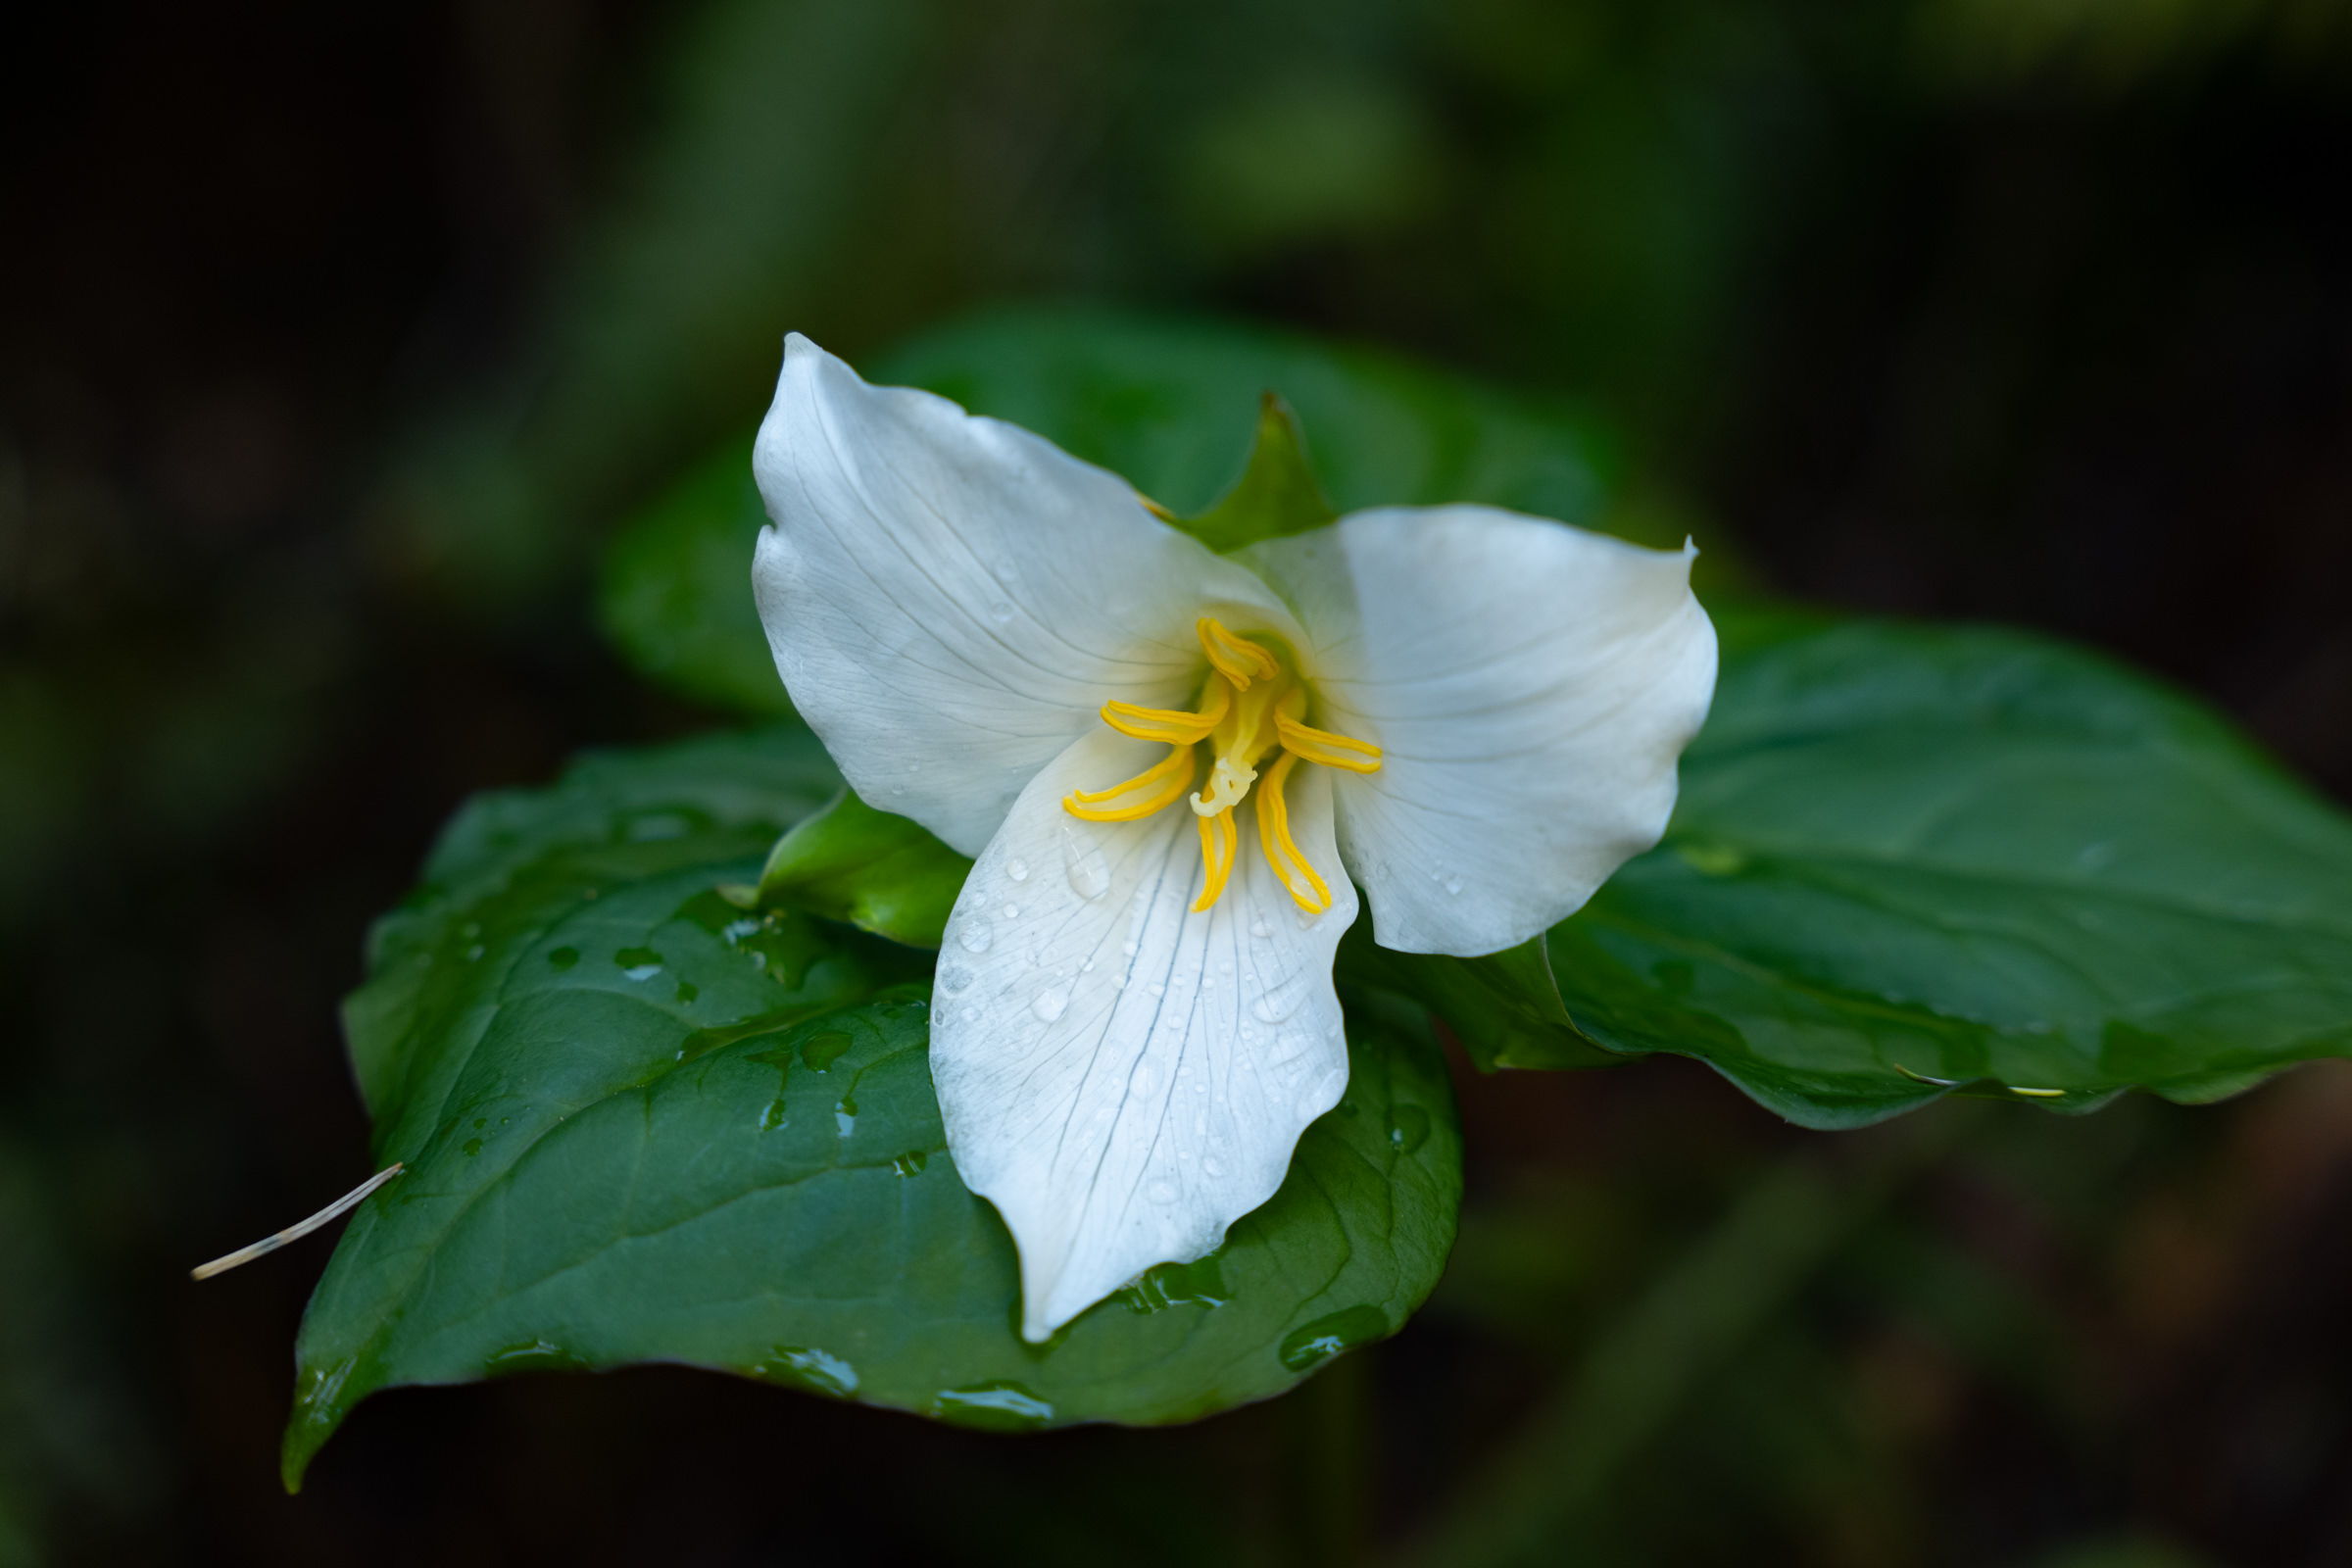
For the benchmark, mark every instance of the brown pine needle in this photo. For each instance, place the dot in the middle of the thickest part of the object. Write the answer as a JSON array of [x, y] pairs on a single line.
[[295, 1232]]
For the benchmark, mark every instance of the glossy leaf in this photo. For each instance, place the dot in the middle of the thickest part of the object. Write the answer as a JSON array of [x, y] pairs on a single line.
[[1505, 1008], [644, 1124], [882, 873], [1911, 857]]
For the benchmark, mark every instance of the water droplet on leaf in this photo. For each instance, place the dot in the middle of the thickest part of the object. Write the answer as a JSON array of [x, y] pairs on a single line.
[[1326, 1336]]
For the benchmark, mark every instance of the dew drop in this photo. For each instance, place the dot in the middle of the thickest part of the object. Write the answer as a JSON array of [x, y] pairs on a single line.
[[1001, 611], [955, 979], [1279, 1001], [1454, 884], [898, 789], [1017, 869], [1088, 967], [1260, 930], [1212, 1166], [1012, 911], [1088, 868], [1128, 949], [1146, 1080], [1163, 1192], [971, 1015], [977, 935], [1049, 1003]]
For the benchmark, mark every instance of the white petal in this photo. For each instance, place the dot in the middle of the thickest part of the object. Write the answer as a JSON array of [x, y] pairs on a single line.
[[950, 600], [1531, 686], [1121, 1077]]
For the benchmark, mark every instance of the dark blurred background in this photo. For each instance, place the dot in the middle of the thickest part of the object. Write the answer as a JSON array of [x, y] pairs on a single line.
[[334, 338]]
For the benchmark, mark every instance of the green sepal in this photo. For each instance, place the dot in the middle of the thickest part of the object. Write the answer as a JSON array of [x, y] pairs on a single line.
[[881, 873], [1277, 494]]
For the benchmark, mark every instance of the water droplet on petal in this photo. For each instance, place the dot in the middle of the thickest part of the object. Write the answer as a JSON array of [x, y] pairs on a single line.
[[1001, 611], [1049, 1003], [1280, 1000], [1088, 868], [1017, 869], [1163, 1192], [1012, 911], [977, 933], [955, 979], [1260, 928], [1212, 1166], [971, 1015], [1454, 884]]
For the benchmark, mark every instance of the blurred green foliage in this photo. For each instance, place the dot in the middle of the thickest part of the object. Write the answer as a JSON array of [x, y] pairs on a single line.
[[338, 339]]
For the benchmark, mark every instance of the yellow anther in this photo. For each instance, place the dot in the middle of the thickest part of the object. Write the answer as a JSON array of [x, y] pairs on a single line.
[[1281, 849], [1217, 843], [1154, 507], [1167, 781], [1170, 726], [1322, 746], [1236, 659], [1250, 708]]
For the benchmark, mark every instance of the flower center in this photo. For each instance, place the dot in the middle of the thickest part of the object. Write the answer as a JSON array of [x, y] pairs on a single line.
[[1249, 705]]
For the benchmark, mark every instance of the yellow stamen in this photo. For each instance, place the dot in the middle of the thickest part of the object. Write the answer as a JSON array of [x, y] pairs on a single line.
[[1173, 775], [1322, 746], [1236, 659], [1281, 849], [1217, 843], [1169, 726], [1249, 707]]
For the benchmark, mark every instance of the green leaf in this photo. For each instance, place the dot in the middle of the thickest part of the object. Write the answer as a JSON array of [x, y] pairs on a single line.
[[1178, 408], [676, 590], [1276, 495], [881, 873], [1504, 1008], [1910, 857], [641, 1124]]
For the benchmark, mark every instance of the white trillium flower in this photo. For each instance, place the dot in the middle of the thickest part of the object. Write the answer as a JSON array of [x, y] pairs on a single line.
[[1169, 764]]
